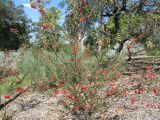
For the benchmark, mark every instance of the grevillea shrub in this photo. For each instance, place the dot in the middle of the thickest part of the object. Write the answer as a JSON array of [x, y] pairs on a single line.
[[83, 86], [87, 88]]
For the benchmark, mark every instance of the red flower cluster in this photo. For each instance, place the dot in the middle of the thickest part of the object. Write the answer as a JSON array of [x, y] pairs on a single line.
[[60, 84], [140, 36], [149, 68], [71, 59], [88, 53], [75, 86], [139, 91], [75, 51], [29, 86], [83, 3], [123, 94], [150, 76], [43, 11], [81, 20], [129, 46], [7, 97], [155, 91], [56, 91], [34, 6], [74, 110], [70, 96], [136, 40], [133, 100], [39, 1], [84, 88], [20, 90], [80, 10], [83, 6], [108, 93], [64, 91]]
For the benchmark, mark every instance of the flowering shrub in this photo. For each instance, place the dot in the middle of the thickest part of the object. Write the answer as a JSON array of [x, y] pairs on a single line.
[[84, 87], [86, 90]]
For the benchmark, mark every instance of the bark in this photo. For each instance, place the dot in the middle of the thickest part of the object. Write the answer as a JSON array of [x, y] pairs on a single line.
[[81, 41]]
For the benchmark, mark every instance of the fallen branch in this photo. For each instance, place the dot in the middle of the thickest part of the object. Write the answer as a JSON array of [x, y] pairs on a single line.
[[9, 101], [12, 99]]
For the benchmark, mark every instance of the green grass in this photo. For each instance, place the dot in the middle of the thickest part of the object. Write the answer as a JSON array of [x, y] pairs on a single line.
[[10, 84], [154, 51], [34, 66]]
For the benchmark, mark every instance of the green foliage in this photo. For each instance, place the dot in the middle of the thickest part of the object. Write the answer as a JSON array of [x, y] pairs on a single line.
[[10, 84], [113, 20], [153, 51], [49, 34], [35, 64], [14, 27]]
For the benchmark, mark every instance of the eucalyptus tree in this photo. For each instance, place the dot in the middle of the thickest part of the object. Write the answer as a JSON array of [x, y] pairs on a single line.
[[114, 20], [14, 25]]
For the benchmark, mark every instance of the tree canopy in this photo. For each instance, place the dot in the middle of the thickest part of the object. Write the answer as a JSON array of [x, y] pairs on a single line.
[[114, 20], [14, 25], [111, 21]]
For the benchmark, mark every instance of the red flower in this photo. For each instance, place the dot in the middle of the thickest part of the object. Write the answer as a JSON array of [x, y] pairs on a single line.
[[43, 11], [75, 86], [75, 99], [79, 61], [84, 88], [60, 84], [112, 84], [46, 46], [87, 53], [56, 91], [129, 46], [149, 67], [71, 60], [83, 3], [155, 91], [81, 20], [140, 36], [70, 96], [80, 10], [39, 1], [149, 105], [29, 86], [74, 110], [139, 91], [21, 90], [133, 100], [7, 97], [150, 76], [34, 6], [64, 91], [108, 93], [74, 52], [124, 94], [142, 102]]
